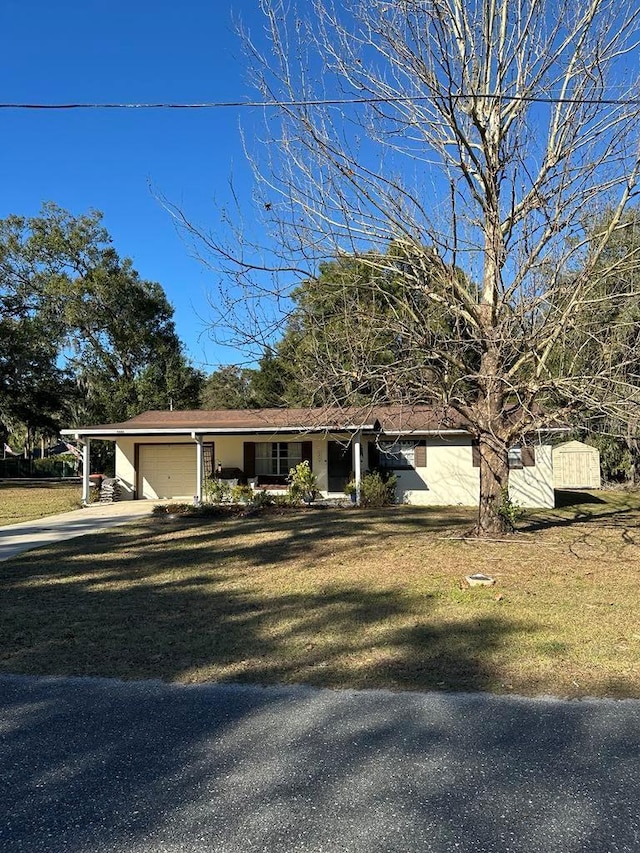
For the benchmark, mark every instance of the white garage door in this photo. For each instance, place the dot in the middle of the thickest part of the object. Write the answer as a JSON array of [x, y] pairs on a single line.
[[167, 470]]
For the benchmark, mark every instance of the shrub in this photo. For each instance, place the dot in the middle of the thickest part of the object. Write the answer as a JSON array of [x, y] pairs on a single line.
[[350, 488], [241, 494], [285, 500], [304, 484], [261, 498], [378, 489], [171, 509], [216, 491], [510, 511], [62, 465]]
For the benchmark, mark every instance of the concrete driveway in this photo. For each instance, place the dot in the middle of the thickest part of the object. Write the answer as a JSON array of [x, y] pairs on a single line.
[[100, 766], [16, 538]]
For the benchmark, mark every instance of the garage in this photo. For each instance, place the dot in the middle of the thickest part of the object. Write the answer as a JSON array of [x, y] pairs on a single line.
[[576, 466], [167, 471]]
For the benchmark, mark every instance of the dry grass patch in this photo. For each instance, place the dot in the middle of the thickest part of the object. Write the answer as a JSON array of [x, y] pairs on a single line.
[[26, 501], [339, 598]]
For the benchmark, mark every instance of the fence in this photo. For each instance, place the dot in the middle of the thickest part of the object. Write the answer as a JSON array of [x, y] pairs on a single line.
[[16, 468]]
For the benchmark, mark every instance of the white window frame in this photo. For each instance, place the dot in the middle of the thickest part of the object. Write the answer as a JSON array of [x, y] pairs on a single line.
[[515, 458], [397, 455], [276, 458]]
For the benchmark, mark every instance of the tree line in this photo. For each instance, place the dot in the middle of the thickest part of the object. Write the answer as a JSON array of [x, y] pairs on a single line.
[[83, 339]]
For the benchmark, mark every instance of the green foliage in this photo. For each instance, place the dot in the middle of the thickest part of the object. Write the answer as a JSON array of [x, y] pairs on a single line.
[[508, 510], [351, 334], [275, 384], [241, 494], [261, 499], [33, 388], [170, 509], [125, 351], [63, 465], [82, 336], [618, 457], [378, 489], [216, 491], [303, 483], [229, 387], [284, 501], [103, 457]]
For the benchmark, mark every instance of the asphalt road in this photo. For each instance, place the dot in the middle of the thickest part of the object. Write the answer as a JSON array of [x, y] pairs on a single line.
[[98, 766]]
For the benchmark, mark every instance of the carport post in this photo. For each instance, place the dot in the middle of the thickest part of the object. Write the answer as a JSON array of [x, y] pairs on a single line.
[[357, 467], [86, 470], [199, 466]]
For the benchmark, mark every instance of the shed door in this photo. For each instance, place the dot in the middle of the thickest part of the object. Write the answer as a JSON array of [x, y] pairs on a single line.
[[576, 470], [167, 471]]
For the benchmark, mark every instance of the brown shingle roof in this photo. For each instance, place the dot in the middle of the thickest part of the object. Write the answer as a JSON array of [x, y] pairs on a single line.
[[391, 419]]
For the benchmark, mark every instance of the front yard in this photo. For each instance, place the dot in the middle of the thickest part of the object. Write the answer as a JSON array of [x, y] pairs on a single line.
[[340, 598], [26, 501]]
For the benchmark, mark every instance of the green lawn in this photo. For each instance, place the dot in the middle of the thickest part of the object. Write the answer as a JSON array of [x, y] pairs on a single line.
[[26, 501], [340, 598]]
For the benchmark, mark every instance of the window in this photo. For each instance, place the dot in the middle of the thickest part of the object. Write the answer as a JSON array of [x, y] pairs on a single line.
[[277, 457], [397, 454], [515, 457]]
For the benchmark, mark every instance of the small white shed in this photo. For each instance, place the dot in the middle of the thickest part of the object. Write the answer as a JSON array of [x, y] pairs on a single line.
[[576, 466]]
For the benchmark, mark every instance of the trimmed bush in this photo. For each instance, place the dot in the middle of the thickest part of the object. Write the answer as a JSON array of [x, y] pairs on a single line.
[[378, 489]]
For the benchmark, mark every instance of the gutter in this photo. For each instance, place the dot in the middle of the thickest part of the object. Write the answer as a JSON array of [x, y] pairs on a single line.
[[190, 431]]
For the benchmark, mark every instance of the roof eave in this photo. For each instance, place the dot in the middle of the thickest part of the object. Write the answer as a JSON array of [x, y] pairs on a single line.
[[188, 431]]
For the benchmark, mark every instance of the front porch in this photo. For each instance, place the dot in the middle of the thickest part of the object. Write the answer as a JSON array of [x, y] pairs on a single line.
[[150, 467]]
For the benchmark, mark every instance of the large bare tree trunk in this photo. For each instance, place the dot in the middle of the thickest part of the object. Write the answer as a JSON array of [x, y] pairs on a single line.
[[488, 412], [494, 480]]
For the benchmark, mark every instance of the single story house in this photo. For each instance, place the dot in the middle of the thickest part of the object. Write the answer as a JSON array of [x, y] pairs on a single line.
[[576, 465], [168, 454]]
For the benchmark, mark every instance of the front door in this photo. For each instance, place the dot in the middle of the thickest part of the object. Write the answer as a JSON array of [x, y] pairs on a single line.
[[339, 465]]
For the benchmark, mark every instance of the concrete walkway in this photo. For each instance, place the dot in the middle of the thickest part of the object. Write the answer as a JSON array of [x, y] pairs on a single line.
[[16, 538]]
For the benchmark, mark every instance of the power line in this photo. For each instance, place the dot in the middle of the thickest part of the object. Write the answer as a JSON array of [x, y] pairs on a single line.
[[211, 105]]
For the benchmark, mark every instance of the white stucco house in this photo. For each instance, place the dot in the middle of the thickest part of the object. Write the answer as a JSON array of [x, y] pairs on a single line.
[[168, 454]]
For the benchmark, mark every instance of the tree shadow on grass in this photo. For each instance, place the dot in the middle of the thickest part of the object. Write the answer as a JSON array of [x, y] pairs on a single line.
[[142, 602], [100, 765], [583, 507], [567, 497]]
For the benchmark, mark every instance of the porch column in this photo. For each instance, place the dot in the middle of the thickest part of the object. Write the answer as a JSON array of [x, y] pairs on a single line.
[[86, 483], [199, 467], [357, 467]]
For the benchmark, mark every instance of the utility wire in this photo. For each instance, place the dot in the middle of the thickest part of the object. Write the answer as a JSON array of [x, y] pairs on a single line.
[[211, 105]]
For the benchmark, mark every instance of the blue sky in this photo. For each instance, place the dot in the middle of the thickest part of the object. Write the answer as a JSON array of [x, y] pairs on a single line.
[[134, 51]]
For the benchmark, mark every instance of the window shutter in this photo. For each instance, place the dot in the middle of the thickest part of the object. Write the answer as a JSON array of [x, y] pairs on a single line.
[[374, 455], [475, 452], [528, 456], [307, 453], [250, 459], [420, 455]]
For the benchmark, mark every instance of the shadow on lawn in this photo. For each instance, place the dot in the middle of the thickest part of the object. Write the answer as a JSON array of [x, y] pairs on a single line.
[[583, 507], [193, 605], [93, 764]]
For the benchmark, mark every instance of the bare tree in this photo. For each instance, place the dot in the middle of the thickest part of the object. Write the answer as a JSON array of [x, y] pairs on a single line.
[[483, 153]]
